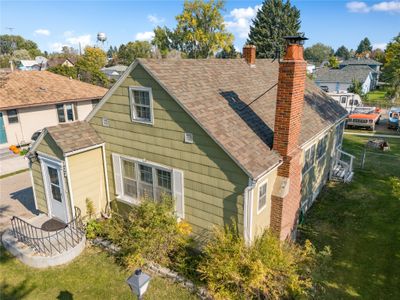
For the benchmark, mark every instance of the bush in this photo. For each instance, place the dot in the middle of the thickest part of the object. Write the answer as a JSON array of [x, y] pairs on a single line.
[[94, 228], [268, 268], [150, 232]]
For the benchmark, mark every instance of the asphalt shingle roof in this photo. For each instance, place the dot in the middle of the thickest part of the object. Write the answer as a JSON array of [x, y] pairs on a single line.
[[235, 103], [74, 136], [360, 61], [344, 75], [34, 88]]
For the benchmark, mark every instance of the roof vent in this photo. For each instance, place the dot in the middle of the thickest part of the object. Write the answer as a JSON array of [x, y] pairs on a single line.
[[188, 138]]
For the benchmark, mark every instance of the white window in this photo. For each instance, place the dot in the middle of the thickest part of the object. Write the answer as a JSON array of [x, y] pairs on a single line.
[[321, 147], [136, 180], [339, 135], [12, 115], [141, 101], [262, 197], [66, 112], [343, 99], [309, 158]]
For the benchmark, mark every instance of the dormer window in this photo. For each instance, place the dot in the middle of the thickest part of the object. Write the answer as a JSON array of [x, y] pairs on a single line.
[[141, 101]]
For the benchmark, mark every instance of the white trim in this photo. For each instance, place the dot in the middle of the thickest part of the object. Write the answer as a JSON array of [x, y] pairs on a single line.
[[103, 146], [132, 104], [33, 186], [47, 156], [112, 90], [38, 141], [248, 212], [83, 150], [265, 182], [69, 183]]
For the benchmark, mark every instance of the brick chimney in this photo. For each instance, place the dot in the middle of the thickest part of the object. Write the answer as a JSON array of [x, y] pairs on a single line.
[[289, 108], [249, 54]]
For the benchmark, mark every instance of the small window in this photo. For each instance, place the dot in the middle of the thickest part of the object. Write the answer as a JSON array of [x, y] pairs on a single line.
[[12, 115], [339, 133], [322, 145], [129, 178], [343, 99], [262, 197], [141, 105], [66, 112], [309, 157]]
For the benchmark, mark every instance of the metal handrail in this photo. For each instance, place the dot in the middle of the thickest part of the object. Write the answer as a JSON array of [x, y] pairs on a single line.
[[45, 242]]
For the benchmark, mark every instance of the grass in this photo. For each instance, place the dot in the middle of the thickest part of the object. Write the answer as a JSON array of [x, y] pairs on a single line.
[[360, 222], [377, 98], [93, 275]]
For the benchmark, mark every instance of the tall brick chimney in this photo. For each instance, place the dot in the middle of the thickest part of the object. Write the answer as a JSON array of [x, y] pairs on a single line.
[[289, 107], [249, 54]]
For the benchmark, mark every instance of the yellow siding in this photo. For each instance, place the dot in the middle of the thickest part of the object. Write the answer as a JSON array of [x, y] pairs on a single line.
[[87, 179], [261, 220]]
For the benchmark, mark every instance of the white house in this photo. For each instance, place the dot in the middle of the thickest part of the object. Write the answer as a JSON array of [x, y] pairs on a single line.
[[33, 100]]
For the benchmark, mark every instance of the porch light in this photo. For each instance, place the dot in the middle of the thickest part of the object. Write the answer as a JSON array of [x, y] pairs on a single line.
[[138, 282], [295, 39]]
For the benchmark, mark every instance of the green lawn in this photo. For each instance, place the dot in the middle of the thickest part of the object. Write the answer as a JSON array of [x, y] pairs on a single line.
[[93, 275], [360, 221], [377, 98]]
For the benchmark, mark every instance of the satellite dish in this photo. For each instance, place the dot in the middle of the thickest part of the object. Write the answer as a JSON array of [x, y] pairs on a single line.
[[101, 37]]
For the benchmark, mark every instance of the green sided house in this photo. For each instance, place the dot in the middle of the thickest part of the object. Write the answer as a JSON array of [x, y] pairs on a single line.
[[247, 140]]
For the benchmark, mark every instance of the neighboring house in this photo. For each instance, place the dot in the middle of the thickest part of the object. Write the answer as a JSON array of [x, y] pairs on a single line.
[[310, 68], [373, 64], [114, 72], [61, 61], [33, 100], [338, 80], [244, 140], [39, 63]]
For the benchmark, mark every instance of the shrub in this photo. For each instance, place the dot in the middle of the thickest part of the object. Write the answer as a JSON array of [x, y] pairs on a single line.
[[90, 211], [150, 232], [94, 228], [268, 268]]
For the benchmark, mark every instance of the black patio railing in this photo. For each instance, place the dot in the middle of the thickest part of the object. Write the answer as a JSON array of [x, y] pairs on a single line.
[[49, 243]]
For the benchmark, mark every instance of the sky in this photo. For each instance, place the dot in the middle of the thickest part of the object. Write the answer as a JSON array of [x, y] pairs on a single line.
[[53, 24]]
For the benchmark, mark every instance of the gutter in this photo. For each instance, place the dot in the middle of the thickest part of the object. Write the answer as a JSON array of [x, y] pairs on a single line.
[[66, 154]]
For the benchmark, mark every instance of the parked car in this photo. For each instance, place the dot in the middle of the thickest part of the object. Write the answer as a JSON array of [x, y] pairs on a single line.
[[394, 118]]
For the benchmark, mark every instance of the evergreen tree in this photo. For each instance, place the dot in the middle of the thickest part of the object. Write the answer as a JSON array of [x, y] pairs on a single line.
[[364, 46], [230, 53], [273, 21], [342, 52]]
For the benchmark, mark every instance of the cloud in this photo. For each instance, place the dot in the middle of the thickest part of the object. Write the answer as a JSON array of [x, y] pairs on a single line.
[[45, 32], [391, 6], [83, 40], [153, 19], [56, 47], [381, 46], [357, 7], [240, 20], [145, 36], [385, 6]]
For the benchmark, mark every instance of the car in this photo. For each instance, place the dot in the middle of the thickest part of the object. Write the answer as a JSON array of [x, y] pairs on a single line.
[[394, 118], [364, 117]]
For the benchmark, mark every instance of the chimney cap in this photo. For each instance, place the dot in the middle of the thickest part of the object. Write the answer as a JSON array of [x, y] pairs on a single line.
[[295, 39]]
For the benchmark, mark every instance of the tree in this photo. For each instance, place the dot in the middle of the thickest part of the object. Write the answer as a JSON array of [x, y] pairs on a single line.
[[318, 53], [230, 53], [10, 43], [378, 55], [364, 46], [333, 62], [201, 29], [356, 88], [342, 52], [67, 71], [274, 20], [391, 68], [163, 40], [132, 50], [89, 64], [21, 54]]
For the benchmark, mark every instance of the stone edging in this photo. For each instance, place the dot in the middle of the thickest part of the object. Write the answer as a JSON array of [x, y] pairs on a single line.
[[157, 269]]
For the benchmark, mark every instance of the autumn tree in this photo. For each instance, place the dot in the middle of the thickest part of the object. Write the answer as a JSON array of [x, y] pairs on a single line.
[[89, 64], [201, 30], [333, 62], [274, 20], [391, 68]]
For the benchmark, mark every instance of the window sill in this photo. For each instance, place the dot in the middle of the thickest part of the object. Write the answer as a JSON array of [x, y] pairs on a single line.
[[259, 211], [127, 200], [151, 123]]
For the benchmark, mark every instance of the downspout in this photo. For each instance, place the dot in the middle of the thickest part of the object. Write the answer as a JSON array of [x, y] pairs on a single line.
[[106, 177], [248, 212]]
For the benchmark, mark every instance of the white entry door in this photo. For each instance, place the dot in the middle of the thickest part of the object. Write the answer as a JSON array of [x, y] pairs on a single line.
[[55, 190]]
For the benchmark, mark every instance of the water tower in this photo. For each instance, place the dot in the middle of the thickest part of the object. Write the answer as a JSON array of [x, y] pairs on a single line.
[[101, 39]]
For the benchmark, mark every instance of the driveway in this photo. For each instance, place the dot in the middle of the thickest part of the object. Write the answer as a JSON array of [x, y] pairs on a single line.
[[16, 198], [10, 162]]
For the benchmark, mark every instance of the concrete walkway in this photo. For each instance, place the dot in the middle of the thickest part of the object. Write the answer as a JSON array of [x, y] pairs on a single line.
[[16, 199], [10, 162]]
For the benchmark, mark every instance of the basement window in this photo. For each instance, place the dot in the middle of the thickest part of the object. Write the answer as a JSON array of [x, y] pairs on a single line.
[[141, 101], [12, 115]]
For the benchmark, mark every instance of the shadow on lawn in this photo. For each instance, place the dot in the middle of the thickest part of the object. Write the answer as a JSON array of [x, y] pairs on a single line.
[[19, 291], [65, 295]]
